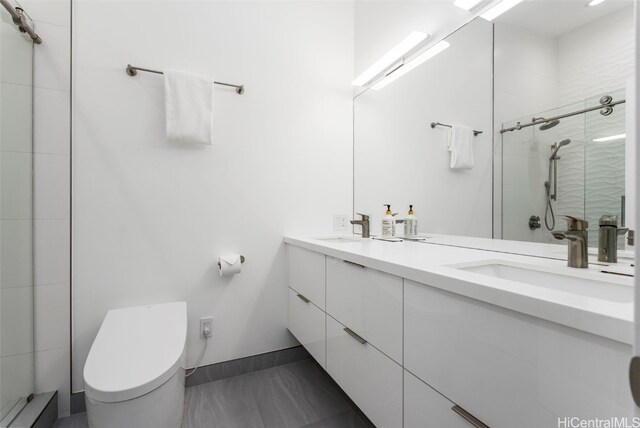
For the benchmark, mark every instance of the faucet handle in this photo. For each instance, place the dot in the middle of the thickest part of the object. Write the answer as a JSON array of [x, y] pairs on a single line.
[[364, 217], [622, 231], [575, 223]]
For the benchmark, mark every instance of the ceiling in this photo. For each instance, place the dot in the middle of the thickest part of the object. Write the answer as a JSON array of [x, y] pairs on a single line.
[[553, 18]]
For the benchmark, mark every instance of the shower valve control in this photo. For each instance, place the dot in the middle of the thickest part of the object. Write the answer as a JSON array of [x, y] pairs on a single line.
[[534, 222], [206, 326]]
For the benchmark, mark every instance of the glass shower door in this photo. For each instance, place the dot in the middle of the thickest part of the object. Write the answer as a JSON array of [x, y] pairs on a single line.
[[586, 172], [606, 154], [16, 219]]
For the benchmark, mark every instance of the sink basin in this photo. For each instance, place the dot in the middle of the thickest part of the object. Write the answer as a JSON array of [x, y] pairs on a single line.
[[339, 239], [583, 284]]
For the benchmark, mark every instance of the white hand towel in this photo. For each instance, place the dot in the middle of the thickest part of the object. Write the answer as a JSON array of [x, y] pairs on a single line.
[[188, 104], [461, 147]]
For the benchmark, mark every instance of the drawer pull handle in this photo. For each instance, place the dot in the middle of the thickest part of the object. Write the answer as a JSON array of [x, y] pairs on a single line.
[[469, 417], [354, 264], [355, 336], [304, 299]]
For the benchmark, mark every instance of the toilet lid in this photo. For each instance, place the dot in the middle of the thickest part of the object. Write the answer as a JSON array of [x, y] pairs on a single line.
[[136, 350]]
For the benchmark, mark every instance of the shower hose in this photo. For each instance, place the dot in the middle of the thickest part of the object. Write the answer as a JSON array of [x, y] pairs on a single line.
[[548, 211]]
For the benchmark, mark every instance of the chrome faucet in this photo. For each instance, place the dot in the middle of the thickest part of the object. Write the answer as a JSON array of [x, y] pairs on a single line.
[[608, 238], [578, 243], [364, 222]]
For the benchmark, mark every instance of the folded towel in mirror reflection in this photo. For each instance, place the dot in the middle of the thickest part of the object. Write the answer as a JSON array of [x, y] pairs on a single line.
[[188, 103], [461, 147]]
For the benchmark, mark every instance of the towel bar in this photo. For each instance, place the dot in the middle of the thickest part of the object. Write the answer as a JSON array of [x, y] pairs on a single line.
[[434, 124], [132, 71]]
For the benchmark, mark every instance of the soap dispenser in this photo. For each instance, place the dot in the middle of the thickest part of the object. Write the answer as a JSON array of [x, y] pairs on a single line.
[[411, 224], [388, 223]]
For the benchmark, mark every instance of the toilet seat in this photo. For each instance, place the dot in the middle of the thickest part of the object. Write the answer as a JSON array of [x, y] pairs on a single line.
[[136, 351]]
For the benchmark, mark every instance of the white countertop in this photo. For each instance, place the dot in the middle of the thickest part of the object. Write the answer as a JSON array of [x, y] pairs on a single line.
[[433, 262]]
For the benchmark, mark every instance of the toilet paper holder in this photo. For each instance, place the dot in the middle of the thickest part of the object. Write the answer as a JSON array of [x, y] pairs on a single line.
[[241, 261]]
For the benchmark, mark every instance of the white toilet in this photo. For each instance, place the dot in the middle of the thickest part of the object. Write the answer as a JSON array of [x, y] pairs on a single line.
[[134, 374]]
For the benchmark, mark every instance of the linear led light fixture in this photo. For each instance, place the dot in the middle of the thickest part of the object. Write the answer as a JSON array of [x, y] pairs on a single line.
[[595, 2], [407, 67], [610, 138], [499, 9], [391, 57], [470, 4]]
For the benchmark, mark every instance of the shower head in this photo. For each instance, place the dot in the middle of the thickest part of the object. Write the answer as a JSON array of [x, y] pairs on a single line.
[[549, 125], [556, 146]]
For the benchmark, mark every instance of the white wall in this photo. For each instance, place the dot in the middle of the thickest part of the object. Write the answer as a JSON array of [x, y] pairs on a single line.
[[401, 160], [52, 87], [150, 217]]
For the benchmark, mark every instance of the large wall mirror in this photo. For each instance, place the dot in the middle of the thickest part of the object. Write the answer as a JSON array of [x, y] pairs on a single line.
[[548, 85], [563, 71], [399, 159]]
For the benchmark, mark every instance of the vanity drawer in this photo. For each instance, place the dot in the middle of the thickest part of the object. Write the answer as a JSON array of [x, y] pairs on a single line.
[[307, 274], [370, 378], [507, 368], [425, 407], [367, 301], [307, 324]]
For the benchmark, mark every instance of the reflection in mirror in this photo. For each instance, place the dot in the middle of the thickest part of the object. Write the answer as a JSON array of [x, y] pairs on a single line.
[[561, 108], [399, 159]]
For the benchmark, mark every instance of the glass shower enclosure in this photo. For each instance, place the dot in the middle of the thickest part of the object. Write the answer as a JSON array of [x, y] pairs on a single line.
[[16, 222], [572, 166]]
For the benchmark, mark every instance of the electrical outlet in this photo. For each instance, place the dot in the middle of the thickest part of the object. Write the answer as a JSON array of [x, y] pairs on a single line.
[[206, 327], [340, 222]]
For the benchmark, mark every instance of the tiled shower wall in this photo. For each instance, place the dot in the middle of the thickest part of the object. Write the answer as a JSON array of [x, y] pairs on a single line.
[[52, 196]]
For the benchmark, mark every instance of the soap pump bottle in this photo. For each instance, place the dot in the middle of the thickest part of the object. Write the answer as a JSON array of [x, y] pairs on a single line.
[[388, 223], [411, 224]]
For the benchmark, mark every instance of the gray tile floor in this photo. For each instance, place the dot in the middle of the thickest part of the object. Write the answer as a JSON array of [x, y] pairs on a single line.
[[298, 394]]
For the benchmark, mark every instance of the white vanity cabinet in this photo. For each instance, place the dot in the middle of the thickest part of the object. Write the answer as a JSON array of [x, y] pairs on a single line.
[[307, 324], [358, 334], [367, 301], [370, 378], [509, 369], [307, 274], [306, 301], [425, 407], [412, 355]]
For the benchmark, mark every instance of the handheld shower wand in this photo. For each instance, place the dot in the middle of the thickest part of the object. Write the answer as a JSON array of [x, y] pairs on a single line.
[[556, 146], [549, 216]]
